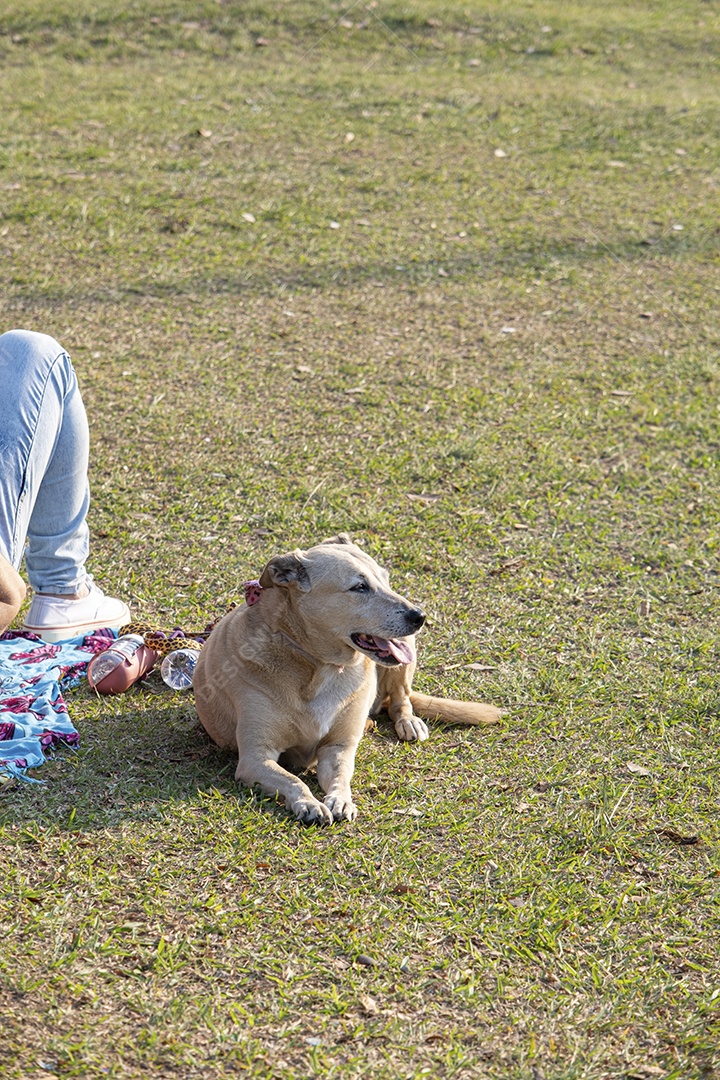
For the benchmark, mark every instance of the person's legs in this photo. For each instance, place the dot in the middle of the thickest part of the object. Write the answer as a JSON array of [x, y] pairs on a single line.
[[44, 493], [50, 439], [44, 457], [58, 536]]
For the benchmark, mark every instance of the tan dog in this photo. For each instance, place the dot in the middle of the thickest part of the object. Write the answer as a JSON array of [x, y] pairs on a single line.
[[290, 678]]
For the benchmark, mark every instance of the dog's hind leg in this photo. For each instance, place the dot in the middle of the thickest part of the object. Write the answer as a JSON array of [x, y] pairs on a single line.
[[394, 688]]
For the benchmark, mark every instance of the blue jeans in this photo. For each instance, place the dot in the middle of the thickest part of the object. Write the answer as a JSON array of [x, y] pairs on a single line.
[[44, 444]]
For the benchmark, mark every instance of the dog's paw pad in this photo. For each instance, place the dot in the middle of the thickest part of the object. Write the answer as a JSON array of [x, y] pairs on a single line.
[[412, 730], [342, 809]]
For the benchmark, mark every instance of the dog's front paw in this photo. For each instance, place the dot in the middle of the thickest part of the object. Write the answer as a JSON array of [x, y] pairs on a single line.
[[312, 812], [411, 729], [341, 807]]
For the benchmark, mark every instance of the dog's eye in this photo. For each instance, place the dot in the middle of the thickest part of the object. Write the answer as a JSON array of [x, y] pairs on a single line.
[[362, 586]]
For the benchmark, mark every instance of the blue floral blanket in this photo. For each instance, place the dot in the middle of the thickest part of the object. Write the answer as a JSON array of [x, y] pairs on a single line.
[[33, 716]]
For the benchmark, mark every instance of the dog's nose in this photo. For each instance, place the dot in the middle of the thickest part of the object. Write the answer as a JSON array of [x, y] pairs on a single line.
[[415, 618]]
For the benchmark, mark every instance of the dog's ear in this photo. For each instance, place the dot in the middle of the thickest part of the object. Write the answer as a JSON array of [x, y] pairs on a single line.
[[286, 570], [341, 538]]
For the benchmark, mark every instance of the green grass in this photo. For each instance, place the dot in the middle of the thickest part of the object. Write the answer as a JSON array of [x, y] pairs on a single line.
[[522, 896]]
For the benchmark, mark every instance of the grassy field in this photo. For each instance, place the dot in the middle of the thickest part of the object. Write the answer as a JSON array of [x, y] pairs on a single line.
[[444, 276]]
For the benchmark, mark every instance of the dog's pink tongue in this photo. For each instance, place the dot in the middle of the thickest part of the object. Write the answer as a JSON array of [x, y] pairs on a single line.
[[403, 651]]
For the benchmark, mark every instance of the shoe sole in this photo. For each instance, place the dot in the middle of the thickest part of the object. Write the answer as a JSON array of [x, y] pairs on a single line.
[[53, 634]]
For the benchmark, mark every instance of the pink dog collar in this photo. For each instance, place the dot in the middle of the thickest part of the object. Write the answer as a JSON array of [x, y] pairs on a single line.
[[252, 590]]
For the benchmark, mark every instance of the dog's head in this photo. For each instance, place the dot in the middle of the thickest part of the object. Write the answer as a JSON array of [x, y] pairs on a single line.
[[340, 602]]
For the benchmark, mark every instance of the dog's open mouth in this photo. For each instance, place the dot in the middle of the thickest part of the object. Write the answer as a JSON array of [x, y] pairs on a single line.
[[386, 651]]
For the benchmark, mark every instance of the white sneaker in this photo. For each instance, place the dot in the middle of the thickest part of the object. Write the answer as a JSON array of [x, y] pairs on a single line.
[[55, 618]]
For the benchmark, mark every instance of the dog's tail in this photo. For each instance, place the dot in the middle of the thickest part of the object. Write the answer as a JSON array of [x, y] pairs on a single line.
[[454, 712]]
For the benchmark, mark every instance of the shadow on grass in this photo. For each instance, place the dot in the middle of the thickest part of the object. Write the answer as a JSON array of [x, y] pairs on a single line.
[[137, 758], [138, 762], [252, 281]]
